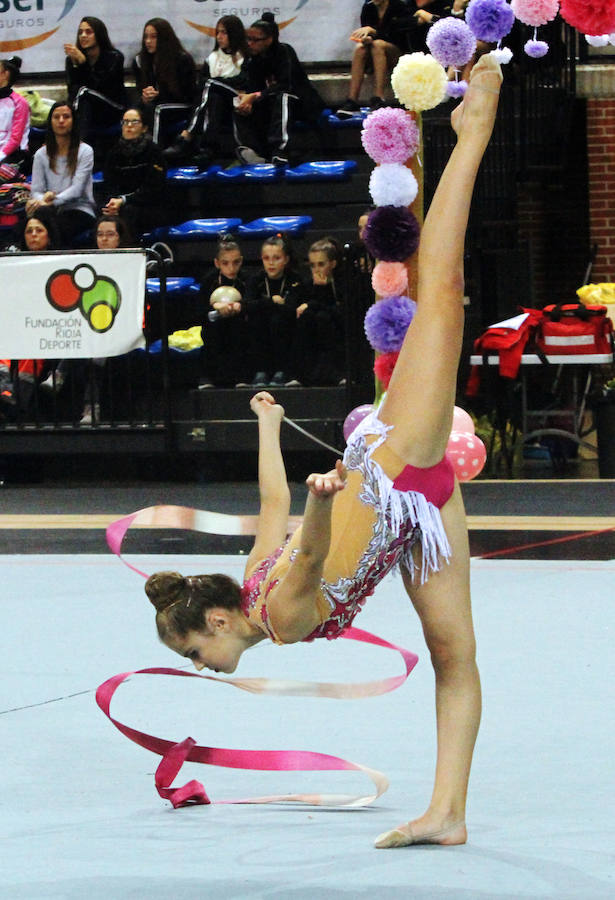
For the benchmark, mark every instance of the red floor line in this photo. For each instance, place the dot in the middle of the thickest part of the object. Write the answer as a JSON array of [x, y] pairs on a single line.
[[558, 540]]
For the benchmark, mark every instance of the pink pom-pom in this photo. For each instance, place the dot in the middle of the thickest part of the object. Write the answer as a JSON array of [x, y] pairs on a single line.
[[535, 12], [467, 454], [390, 135], [456, 89], [390, 279], [589, 16]]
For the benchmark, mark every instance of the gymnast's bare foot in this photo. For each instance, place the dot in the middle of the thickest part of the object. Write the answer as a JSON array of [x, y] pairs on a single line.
[[420, 831], [475, 115]]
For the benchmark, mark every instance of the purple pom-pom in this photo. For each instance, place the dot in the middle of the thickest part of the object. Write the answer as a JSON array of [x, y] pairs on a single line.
[[451, 42], [391, 233], [456, 89], [490, 20], [536, 49], [390, 135], [387, 321]]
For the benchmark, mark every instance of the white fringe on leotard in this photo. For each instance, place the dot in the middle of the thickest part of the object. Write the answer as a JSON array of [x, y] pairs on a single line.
[[397, 508]]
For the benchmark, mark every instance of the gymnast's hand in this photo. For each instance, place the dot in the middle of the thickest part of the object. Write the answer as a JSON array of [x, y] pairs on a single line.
[[264, 406], [330, 483]]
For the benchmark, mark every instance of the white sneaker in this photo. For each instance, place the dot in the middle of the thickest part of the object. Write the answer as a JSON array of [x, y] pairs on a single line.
[[249, 157]]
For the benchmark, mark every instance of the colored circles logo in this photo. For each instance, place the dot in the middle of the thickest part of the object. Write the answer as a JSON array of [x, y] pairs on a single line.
[[97, 296]]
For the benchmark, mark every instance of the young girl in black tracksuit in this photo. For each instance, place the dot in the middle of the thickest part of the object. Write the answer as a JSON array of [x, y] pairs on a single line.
[[271, 301], [278, 91]]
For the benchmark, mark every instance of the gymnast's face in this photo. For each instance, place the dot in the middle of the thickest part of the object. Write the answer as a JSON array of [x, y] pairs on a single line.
[[218, 646]]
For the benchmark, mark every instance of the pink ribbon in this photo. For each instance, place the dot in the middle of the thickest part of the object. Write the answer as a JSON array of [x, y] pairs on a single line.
[[174, 754]]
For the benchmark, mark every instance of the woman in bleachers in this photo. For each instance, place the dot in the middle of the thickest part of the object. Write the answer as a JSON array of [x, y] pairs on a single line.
[[222, 78], [224, 324], [14, 116], [62, 175], [317, 356], [94, 77], [113, 232], [134, 172], [165, 75], [278, 92], [271, 301], [39, 232]]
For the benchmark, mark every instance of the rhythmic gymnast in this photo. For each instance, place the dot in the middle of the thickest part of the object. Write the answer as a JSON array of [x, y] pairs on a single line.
[[393, 501]]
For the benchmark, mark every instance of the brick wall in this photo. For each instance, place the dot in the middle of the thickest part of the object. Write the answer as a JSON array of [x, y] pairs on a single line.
[[601, 166]]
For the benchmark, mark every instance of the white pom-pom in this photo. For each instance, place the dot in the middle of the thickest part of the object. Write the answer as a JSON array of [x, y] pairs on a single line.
[[392, 184], [597, 40], [503, 55]]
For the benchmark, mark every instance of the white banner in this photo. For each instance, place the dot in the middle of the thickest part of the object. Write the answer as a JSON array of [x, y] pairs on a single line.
[[36, 30], [71, 305]]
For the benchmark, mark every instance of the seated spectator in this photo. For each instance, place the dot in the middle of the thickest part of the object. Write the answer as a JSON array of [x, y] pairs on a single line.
[[134, 173], [62, 175], [38, 233], [224, 325], [222, 79], [278, 92], [94, 78], [380, 40], [271, 301], [113, 232], [318, 346], [165, 75], [14, 116]]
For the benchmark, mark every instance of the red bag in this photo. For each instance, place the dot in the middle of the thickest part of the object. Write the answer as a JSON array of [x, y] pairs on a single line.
[[572, 328], [509, 343]]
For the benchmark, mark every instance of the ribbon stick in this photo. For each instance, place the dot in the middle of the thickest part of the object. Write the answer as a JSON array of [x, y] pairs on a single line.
[[174, 753]]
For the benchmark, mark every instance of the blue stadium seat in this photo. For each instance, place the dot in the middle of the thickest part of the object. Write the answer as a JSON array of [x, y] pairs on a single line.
[[328, 170], [354, 121], [98, 178], [259, 172], [192, 174], [193, 230], [272, 224], [176, 285]]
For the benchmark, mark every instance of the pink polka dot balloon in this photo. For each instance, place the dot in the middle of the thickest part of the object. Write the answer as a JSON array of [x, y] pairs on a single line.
[[462, 421], [466, 453]]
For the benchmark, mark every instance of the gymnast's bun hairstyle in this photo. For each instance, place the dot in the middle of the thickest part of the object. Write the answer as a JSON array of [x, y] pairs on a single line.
[[181, 601], [268, 25]]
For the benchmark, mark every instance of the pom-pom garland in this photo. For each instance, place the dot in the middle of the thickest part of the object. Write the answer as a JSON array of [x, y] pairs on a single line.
[[456, 89], [389, 279], [490, 20], [535, 12], [391, 233], [387, 321], [502, 54], [536, 49], [383, 368], [418, 81], [452, 42], [390, 135], [591, 17], [392, 184], [597, 40]]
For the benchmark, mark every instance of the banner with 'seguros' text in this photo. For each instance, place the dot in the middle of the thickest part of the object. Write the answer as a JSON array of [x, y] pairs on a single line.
[[36, 30], [71, 305]]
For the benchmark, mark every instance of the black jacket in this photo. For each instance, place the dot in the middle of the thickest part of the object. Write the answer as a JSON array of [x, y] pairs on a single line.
[[394, 25], [278, 70], [135, 170], [145, 76], [260, 290], [106, 76]]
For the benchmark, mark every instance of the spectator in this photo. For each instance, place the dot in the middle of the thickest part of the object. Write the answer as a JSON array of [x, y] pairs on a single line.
[[271, 301], [278, 92], [165, 74], [134, 172], [222, 78], [113, 232], [224, 326], [39, 232], [424, 13], [380, 40], [318, 347], [14, 116], [94, 78], [62, 175]]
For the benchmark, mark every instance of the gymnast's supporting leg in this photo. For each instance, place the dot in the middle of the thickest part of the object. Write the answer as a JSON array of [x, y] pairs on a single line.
[[443, 603]]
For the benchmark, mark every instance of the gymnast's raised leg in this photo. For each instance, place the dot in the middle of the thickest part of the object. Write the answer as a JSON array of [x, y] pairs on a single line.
[[419, 404]]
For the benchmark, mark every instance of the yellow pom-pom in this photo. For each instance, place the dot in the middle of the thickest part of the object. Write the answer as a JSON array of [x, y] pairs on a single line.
[[419, 81]]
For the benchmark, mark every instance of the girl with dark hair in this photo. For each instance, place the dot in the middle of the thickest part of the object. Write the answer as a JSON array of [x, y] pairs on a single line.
[[222, 78], [62, 174], [271, 302], [94, 77], [392, 503], [278, 91], [165, 74], [224, 325], [14, 115], [134, 172], [113, 233]]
